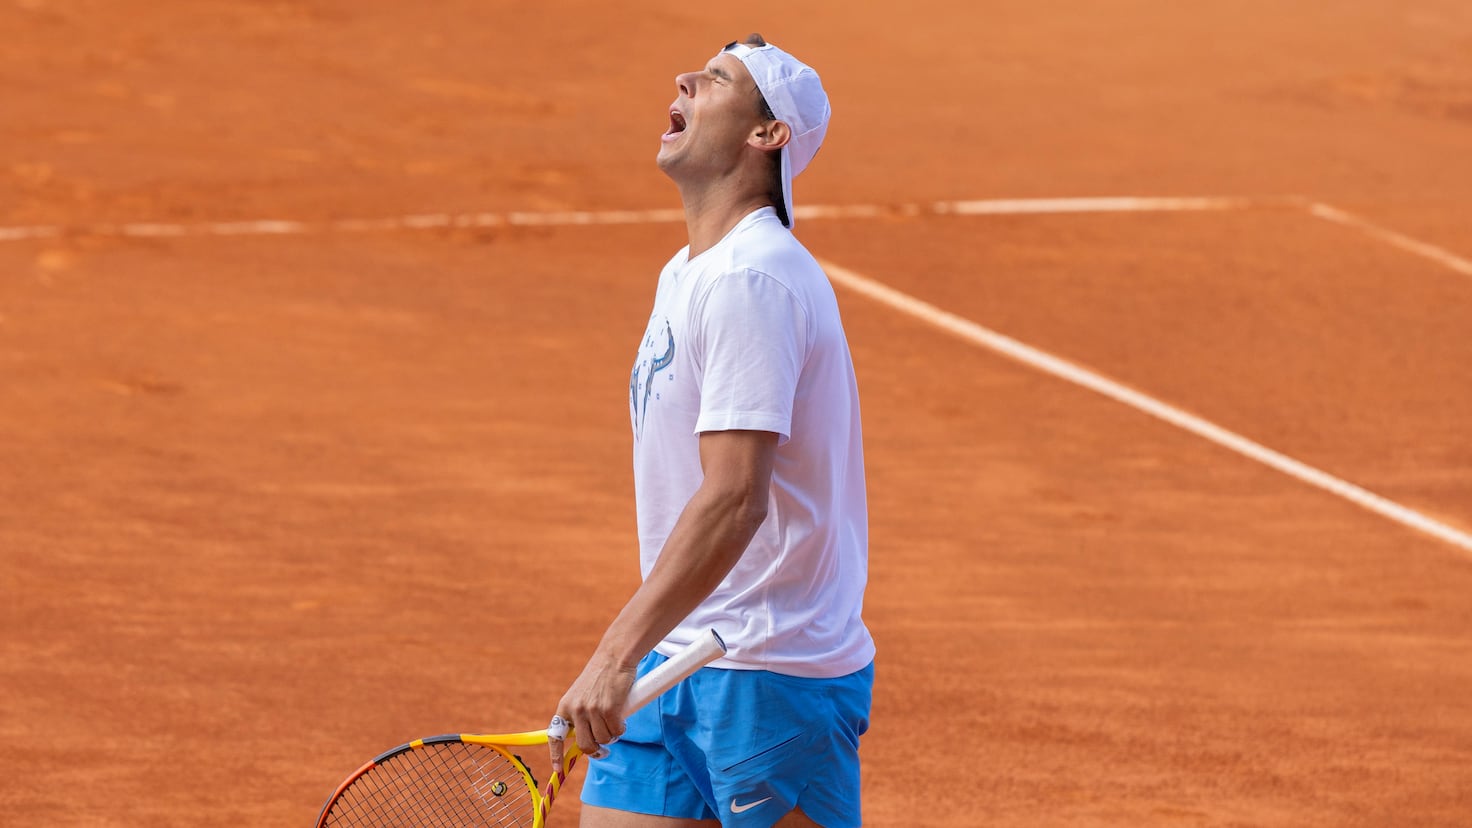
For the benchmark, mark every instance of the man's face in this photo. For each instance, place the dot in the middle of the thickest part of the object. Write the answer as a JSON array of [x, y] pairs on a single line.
[[711, 118]]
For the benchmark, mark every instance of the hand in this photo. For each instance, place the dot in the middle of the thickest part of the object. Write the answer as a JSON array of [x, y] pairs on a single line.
[[594, 708]]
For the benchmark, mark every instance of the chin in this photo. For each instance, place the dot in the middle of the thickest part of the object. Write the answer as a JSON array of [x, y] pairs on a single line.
[[667, 161]]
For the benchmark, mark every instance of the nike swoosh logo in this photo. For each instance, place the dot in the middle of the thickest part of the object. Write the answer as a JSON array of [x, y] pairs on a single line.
[[737, 809]]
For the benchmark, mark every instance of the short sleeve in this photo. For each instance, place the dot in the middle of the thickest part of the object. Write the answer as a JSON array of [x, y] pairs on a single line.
[[751, 337]]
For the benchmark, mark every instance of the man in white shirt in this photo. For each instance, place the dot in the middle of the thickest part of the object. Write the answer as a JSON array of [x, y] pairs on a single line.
[[749, 478]]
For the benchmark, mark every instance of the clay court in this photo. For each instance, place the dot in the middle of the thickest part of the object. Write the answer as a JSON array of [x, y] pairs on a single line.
[[316, 320]]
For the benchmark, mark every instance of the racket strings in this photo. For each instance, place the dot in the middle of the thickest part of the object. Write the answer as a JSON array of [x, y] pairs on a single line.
[[445, 784]]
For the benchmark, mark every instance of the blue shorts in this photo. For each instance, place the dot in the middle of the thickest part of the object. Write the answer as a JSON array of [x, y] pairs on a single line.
[[740, 746]]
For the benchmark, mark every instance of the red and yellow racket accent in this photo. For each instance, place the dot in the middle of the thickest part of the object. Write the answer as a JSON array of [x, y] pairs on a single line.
[[467, 779], [455, 779]]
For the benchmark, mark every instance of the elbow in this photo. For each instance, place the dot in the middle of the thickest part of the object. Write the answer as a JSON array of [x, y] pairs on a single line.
[[753, 513], [742, 510]]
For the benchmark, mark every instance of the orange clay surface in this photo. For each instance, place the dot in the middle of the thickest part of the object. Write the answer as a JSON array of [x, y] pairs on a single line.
[[270, 504]]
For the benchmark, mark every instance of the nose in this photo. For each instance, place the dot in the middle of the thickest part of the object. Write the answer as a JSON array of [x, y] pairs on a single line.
[[685, 82]]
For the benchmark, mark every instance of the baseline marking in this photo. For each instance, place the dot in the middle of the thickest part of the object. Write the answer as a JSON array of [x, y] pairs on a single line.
[[1398, 240], [1042, 361], [22, 233], [1015, 207], [573, 218]]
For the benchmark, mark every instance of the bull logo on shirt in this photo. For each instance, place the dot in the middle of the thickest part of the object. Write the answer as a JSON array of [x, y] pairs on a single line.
[[649, 363]]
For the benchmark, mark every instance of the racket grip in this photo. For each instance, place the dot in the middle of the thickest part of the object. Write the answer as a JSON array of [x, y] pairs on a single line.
[[702, 651]]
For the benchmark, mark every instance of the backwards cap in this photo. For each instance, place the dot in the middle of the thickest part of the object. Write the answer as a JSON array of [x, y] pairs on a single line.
[[795, 94]]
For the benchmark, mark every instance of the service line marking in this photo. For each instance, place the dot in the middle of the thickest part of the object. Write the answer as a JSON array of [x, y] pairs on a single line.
[[1047, 363]]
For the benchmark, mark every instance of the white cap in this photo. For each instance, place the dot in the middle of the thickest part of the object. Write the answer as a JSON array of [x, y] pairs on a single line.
[[795, 94]]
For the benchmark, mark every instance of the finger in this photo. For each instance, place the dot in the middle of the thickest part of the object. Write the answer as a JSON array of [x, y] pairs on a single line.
[[556, 741], [586, 734], [604, 732], [603, 752]]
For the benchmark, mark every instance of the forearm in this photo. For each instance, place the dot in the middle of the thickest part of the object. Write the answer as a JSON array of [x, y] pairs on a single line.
[[708, 539]]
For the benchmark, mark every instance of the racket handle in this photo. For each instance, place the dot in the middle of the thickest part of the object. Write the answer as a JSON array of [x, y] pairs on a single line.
[[702, 651]]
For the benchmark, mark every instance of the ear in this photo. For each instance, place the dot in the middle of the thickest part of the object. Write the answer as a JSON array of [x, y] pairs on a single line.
[[770, 135]]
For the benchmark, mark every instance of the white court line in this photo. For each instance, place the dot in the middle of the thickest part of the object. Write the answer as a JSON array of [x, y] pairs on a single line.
[[22, 233], [1392, 238], [1069, 372], [257, 228], [967, 330], [1037, 207], [1013, 207], [572, 218]]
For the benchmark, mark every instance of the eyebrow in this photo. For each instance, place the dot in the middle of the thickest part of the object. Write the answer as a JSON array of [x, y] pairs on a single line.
[[719, 72]]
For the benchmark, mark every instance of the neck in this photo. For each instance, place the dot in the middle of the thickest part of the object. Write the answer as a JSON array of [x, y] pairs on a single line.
[[711, 212]]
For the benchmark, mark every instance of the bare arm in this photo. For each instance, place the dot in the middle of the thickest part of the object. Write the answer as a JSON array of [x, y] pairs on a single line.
[[708, 539]]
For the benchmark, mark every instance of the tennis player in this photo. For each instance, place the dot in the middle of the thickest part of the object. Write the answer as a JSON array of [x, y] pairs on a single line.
[[749, 477]]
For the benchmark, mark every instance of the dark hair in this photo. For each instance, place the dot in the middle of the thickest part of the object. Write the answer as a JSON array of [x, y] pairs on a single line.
[[754, 40]]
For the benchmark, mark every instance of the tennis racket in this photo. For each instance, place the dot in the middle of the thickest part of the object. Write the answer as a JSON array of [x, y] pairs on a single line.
[[462, 779]]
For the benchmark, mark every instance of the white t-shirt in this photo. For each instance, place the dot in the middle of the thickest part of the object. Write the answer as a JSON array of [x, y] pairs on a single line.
[[747, 336]]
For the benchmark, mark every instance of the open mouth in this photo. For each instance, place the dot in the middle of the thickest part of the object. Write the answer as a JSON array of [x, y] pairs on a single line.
[[677, 125]]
